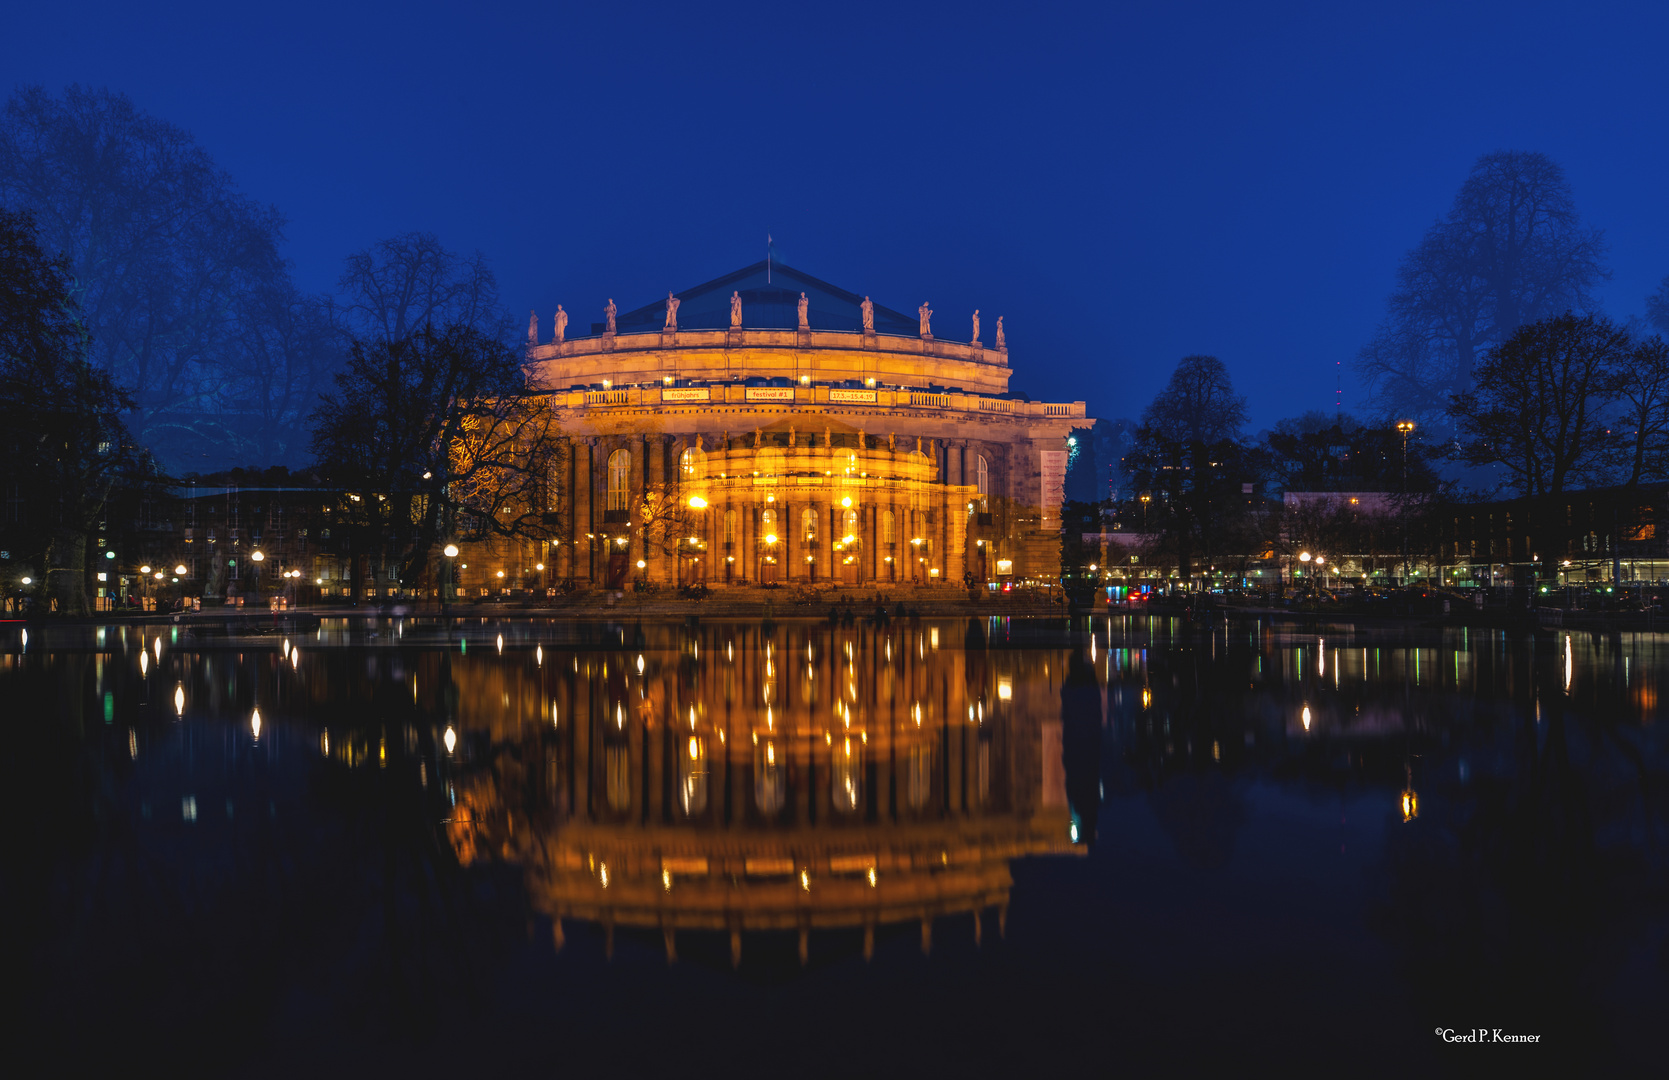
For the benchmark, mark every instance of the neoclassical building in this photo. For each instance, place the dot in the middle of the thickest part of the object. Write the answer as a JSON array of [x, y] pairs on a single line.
[[770, 427]]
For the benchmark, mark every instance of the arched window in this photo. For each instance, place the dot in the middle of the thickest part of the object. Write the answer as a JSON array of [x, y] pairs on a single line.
[[692, 464], [808, 525], [768, 525], [851, 525], [889, 528], [983, 480], [730, 526], [619, 478]]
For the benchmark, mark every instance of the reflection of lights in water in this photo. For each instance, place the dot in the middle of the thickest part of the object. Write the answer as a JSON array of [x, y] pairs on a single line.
[[1321, 653], [324, 741], [255, 723], [805, 880], [132, 744], [451, 739], [501, 644], [539, 655], [26, 640], [179, 700], [1567, 663], [159, 650], [286, 648], [1410, 805], [602, 874], [692, 717], [1005, 689], [666, 880], [620, 716], [1306, 718], [295, 659], [1074, 832], [1147, 697], [915, 711], [554, 720], [188, 808], [640, 663], [144, 662]]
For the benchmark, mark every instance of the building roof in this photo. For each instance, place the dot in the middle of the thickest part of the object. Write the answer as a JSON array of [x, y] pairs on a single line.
[[770, 301]]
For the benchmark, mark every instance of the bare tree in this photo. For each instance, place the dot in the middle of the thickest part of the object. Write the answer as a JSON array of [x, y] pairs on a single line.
[[1540, 407], [1657, 306], [1643, 400], [167, 260], [63, 448], [1511, 251], [398, 286], [433, 436], [1188, 454]]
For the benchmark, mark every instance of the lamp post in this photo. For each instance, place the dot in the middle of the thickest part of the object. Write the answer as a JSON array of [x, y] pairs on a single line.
[[449, 553], [1406, 427]]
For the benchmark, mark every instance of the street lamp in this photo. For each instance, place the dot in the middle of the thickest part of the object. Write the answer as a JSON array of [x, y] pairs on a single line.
[[1406, 427], [451, 552]]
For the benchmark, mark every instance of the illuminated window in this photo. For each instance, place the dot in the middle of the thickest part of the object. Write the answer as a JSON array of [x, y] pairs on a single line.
[[619, 472], [851, 524], [692, 464], [889, 528], [808, 525], [984, 479], [730, 526], [768, 522]]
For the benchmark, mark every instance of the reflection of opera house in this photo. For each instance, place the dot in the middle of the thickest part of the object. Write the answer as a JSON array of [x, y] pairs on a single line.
[[739, 435], [797, 779]]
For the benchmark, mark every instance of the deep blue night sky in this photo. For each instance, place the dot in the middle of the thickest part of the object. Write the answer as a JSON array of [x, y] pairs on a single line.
[[1127, 183]]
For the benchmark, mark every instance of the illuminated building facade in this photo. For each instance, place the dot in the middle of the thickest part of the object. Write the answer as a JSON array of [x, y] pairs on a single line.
[[767, 427]]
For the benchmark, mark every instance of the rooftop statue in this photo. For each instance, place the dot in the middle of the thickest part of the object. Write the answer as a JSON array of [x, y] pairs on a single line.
[[735, 310], [804, 325], [561, 322], [975, 338], [672, 303], [868, 316], [1002, 343], [926, 314], [608, 313], [533, 328], [791, 435]]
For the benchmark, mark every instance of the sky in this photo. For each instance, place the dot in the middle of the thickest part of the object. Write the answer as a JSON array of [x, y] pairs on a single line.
[[1127, 183]]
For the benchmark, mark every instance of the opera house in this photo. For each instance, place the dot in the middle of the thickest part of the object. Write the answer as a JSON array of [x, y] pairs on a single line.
[[768, 427]]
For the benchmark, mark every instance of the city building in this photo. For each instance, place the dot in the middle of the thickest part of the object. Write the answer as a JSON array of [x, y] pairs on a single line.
[[768, 427]]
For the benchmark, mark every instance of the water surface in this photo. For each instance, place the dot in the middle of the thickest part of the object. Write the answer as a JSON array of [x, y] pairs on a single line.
[[905, 847]]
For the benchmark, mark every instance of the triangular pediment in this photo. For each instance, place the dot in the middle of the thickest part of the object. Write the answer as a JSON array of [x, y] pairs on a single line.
[[770, 301]]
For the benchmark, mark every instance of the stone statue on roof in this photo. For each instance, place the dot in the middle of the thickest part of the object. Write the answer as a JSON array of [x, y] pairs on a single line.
[[975, 338], [804, 303], [1002, 342], [926, 313], [561, 325], [672, 303], [533, 328], [868, 316], [608, 313], [735, 310]]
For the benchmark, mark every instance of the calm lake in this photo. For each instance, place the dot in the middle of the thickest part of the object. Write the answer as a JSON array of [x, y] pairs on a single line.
[[913, 847]]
